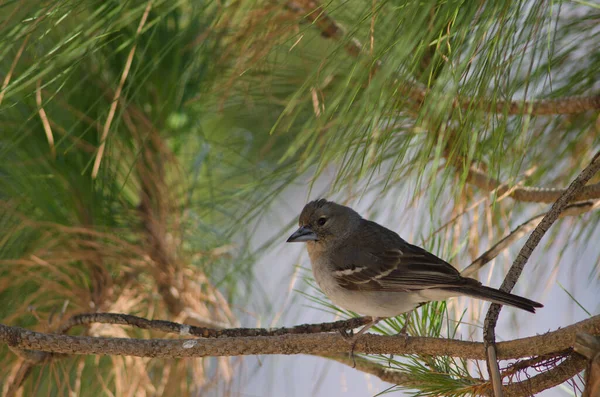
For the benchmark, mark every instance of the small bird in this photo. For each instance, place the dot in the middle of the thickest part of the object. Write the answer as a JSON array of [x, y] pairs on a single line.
[[366, 268]]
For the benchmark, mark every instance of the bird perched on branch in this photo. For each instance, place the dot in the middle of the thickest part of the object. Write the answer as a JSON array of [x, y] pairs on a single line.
[[366, 268]]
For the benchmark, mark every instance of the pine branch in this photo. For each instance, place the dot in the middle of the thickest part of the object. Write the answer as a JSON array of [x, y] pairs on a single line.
[[524, 228], [386, 374], [315, 13], [290, 343], [553, 377], [203, 332], [489, 334], [540, 107], [329, 345], [534, 362], [564, 371], [528, 194]]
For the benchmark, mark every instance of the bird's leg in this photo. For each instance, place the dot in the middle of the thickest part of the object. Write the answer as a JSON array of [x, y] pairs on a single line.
[[403, 331], [352, 338]]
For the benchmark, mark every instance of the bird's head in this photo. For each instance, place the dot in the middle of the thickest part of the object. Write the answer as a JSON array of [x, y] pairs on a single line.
[[325, 221]]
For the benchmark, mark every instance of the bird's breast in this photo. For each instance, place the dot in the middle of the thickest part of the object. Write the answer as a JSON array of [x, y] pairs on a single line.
[[321, 267]]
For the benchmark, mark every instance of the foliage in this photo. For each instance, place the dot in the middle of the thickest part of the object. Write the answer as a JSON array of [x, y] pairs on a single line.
[[136, 137]]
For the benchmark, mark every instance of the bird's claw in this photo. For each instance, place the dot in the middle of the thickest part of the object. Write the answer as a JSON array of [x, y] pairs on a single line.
[[349, 337], [352, 338], [404, 332], [347, 334], [352, 356]]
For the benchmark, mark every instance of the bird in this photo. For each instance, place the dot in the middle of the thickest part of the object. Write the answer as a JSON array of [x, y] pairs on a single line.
[[369, 269]]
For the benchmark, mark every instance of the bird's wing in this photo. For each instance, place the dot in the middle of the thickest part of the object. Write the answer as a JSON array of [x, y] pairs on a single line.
[[382, 261]]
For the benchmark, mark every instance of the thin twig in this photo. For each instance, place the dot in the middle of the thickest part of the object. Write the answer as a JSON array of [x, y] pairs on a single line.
[[534, 362], [553, 377], [524, 228], [528, 193], [511, 278], [386, 374], [203, 332]]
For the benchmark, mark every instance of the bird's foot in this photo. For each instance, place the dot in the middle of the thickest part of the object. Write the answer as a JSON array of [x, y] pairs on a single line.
[[352, 356], [404, 332], [352, 338], [347, 333]]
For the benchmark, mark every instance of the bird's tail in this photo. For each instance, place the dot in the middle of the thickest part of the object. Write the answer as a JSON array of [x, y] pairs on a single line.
[[497, 296]]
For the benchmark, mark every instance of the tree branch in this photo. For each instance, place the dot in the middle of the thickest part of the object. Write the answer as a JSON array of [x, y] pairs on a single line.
[[329, 28], [573, 365], [303, 339], [489, 334], [565, 105], [524, 228], [386, 374], [528, 194], [203, 332], [570, 367], [317, 344]]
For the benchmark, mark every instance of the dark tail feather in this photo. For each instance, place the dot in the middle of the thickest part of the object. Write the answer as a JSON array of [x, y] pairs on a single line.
[[497, 296]]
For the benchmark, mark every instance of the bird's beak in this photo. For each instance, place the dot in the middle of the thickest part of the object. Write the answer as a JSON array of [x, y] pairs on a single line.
[[301, 235]]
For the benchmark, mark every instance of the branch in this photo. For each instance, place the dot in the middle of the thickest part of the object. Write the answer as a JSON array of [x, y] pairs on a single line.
[[528, 194], [317, 16], [524, 228], [557, 375], [565, 105], [544, 360], [589, 347], [386, 374], [316, 344], [203, 332], [553, 377], [511, 278]]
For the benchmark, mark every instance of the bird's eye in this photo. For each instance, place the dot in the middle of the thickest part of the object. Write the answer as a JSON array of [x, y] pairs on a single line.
[[321, 221]]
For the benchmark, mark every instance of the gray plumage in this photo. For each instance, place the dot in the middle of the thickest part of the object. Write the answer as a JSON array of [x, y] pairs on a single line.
[[367, 268]]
